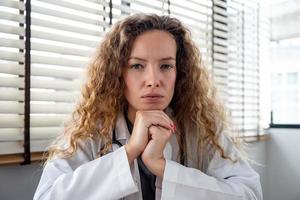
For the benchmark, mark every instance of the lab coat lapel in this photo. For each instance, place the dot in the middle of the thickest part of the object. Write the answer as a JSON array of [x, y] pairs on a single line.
[[122, 135]]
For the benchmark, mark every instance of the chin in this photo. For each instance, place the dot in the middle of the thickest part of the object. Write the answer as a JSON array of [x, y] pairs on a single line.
[[154, 107]]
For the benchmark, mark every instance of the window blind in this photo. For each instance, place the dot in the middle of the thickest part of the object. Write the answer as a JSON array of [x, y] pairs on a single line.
[[244, 66], [197, 16], [264, 36], [240, 43], [123, 8], [64, 34], [220, 47], [12, 47]]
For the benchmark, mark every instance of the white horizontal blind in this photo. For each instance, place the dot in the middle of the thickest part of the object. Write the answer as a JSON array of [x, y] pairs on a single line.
[[220, 47], [123, 8], [11, 76], [64, 34], [243, 72], [197, 16], [264, 55]]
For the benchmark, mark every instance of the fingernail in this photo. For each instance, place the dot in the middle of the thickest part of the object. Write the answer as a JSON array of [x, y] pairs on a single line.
[[174, 128]]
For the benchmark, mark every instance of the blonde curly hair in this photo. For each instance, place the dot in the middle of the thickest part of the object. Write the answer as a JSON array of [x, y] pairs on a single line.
[[194, 104]]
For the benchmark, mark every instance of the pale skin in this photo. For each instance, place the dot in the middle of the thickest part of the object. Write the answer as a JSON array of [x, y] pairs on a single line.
[[150, 81]]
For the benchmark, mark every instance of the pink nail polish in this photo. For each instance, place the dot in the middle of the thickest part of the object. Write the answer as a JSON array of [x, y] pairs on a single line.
[[173, 127]]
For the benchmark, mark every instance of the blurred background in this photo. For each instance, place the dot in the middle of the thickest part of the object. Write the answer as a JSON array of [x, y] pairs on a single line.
[[251, 47]]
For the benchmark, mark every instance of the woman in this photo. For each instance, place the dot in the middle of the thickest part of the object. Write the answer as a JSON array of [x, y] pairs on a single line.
[[148, 125]]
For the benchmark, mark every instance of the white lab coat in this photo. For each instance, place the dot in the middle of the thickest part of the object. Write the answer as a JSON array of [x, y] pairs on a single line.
[[86, 177]]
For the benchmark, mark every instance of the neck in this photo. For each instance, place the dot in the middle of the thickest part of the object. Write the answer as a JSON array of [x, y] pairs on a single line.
[[130, 113]]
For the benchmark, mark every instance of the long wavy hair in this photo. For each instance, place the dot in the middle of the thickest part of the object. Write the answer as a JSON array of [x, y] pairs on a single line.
[[196, 108]]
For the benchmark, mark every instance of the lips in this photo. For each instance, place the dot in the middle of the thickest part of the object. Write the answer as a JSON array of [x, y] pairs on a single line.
[[152, 95], [152, 98]]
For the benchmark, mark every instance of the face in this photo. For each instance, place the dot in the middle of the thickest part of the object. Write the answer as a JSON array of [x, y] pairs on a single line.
[[150, 73]]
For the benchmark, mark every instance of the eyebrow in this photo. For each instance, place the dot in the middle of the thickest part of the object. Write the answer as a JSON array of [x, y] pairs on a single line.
[[137, 58]]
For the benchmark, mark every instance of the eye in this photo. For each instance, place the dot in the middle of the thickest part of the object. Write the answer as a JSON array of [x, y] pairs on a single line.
[[137, 66], [166, 66]]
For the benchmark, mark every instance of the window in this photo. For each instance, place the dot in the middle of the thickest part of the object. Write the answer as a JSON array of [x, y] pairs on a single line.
[[12, 46], [285, 92], [63, 35], [284, 62], [242, 59]]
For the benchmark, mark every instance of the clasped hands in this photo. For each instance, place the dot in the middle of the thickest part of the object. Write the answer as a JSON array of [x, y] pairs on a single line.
[[151, 132]]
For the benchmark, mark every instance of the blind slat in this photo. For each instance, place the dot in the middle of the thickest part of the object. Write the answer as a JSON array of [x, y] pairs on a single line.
[[51, 108], [57, 96], [64, 15], [11, 94], [66, 27], [39, 145], [11, 147], [11, 107], [12, 17], [57, 60], [46, 120], [13, 4], [36, 133], [61, 49], [12, 82], [11, 121], [57, 84], [11, 134], [11, 56], [10, 29], [64, 73], [41, 133], [12, 68], [95, 8], [67, 38], [13, 43]]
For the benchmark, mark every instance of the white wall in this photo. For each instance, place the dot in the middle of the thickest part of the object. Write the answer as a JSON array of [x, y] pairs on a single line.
[[18, 182], [283, 165]]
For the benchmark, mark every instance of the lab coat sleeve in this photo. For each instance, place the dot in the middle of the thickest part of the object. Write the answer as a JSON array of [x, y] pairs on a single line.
[[224, 180], [107, 177]]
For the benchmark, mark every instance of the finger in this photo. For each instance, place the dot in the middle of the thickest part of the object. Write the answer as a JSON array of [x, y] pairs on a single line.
[[160, 112], [157, 132], [159, 118]]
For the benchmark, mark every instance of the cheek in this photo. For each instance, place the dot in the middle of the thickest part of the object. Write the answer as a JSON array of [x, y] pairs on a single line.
[[125, 78], [172, 80], [130, 84]]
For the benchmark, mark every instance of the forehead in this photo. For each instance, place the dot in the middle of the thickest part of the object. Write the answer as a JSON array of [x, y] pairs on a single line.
[[155, 44]]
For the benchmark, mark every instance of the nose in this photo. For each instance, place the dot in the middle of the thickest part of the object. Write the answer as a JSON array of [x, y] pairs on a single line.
[[153, 77]]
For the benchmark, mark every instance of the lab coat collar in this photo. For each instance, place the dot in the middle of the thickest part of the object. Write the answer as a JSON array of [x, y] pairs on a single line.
[[121, 128]]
